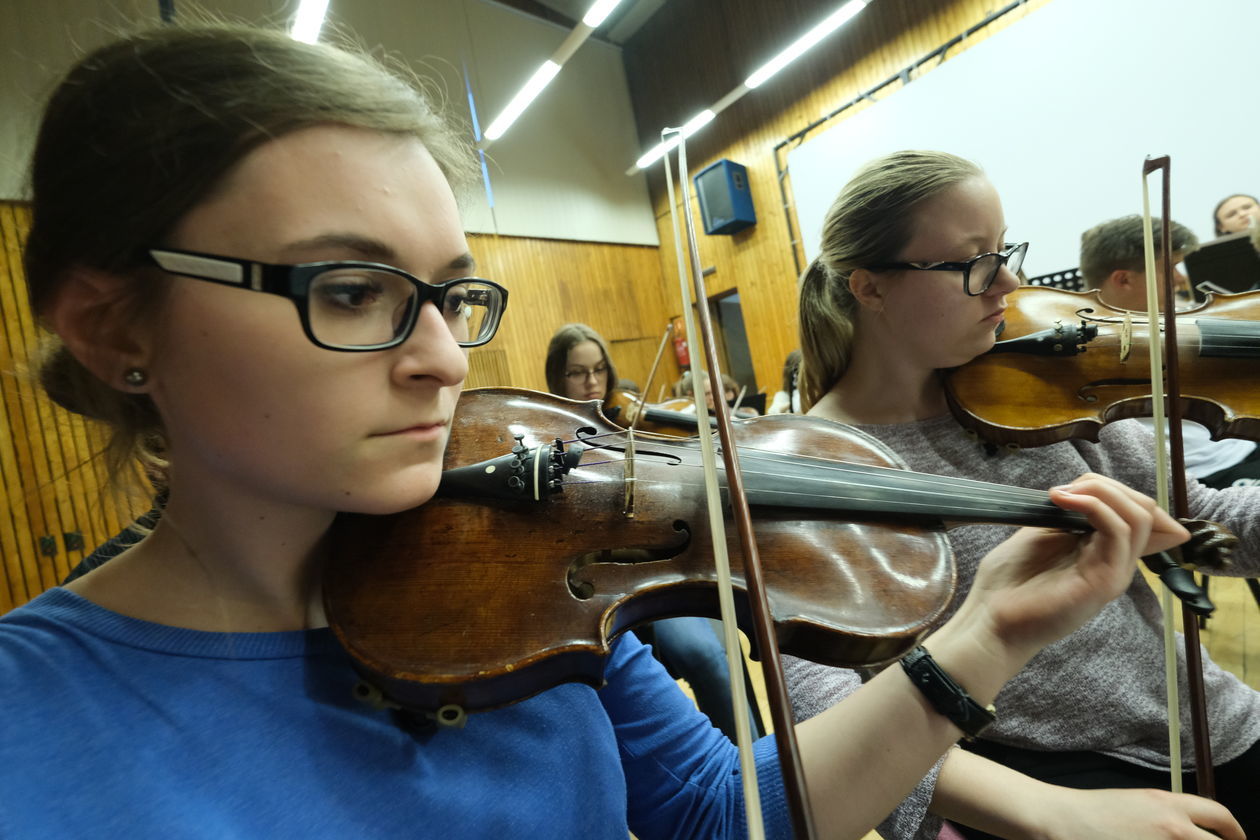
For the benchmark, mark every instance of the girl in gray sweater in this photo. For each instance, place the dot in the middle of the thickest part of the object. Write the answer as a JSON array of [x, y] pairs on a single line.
[[911, 279]]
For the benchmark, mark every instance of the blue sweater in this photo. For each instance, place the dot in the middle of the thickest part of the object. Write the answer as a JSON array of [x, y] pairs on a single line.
[[115, 727]]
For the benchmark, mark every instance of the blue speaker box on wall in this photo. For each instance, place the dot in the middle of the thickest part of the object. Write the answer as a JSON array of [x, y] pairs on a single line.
[[725, 199]]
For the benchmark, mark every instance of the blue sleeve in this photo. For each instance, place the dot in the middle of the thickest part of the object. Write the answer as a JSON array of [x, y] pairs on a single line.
[[682, 774]]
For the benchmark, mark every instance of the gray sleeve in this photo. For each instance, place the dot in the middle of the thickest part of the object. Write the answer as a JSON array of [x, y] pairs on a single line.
[[814, 688]]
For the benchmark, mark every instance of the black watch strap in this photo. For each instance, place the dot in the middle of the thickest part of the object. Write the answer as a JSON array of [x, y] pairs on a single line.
[[945, 695]]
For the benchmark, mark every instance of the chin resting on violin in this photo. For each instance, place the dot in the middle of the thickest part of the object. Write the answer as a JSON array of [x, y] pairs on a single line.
[[924, 297], [190, 684]]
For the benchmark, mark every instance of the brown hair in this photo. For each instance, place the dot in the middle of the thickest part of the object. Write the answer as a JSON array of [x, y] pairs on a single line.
[[142, 130], [1120, 244], [685, 389], [870, 221], [562, 342]]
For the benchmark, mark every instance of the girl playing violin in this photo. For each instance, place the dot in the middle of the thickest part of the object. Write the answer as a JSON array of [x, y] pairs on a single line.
[[912, 276], [250, 253], [579, 366]]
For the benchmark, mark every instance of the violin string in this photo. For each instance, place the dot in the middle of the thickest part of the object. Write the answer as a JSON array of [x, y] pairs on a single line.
[[955, 506], [892, 475], [1233, 340], [939, 495], [1192, 341]]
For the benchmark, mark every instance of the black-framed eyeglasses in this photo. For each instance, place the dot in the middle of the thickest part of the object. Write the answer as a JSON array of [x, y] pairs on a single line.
[[598, 372], [354, 306], [982, 268]]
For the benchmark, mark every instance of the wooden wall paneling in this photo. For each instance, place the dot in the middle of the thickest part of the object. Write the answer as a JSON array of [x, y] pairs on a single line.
[[616, 289], [14, 527], [64, 489], [688, 55], [487, 367], [39, 492], [23, 508], [52, 482]]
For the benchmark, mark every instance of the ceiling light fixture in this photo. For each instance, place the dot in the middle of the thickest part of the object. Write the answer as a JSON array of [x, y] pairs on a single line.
[[309, 20], [798, 48], [595, 15]]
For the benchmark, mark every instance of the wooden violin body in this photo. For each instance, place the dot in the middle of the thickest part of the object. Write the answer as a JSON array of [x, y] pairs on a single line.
[[1066, 363], [478, 599]]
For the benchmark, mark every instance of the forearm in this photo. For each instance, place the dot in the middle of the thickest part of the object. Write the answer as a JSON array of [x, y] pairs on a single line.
[[983, 794], [862, 756]]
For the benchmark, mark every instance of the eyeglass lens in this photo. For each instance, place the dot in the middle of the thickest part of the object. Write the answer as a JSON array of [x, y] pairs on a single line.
[[985, 270], [582, 373], [357, 307]]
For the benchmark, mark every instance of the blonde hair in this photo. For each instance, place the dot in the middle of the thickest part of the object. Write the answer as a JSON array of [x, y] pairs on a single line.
[[870, 222]]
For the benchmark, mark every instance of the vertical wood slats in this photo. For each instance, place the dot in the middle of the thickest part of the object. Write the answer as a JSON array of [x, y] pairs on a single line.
[[50, 482], [616, 289]]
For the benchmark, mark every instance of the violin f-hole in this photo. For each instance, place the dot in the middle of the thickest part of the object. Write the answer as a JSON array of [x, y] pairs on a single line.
[[1086, 391], [583, 570]]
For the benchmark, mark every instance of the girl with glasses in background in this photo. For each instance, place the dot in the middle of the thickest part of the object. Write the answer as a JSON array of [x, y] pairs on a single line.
[[911, 280], [249, 254]]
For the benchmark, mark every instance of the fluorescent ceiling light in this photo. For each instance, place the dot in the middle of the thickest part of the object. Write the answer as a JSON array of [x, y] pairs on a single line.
[[598, 12], [833, 22], [309, 20], [689, 128], [802, 44], [521, 101], [697, 122]]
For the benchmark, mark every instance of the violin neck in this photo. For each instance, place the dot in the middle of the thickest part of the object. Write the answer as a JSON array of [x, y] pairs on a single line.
[[674, 418], [1227, 338], [815, 484]]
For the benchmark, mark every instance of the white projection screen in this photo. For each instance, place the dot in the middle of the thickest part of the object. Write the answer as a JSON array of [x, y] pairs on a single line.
[[1061, 108]]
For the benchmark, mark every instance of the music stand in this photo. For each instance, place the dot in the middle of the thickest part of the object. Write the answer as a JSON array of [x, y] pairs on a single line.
[[1227, 265]]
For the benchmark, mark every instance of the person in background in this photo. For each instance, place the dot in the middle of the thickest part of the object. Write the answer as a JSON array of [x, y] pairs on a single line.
[[916, 266], [1235, 213], [730, 390], [578, 364], [1113, 262]]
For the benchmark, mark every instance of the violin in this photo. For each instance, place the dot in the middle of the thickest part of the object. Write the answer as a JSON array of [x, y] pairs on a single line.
[[1066, 363], [674, 417], [547, 539]]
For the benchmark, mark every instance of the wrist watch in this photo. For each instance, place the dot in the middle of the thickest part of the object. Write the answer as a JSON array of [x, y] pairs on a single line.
[[945, 695]]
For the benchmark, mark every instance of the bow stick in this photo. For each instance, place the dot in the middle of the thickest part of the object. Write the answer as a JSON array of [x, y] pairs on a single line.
[[1167, 415], [772, 666]]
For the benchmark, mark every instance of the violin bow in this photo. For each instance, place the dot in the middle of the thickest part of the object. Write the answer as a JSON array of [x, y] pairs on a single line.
[[1168, 408], [763, 625], [647, 386]]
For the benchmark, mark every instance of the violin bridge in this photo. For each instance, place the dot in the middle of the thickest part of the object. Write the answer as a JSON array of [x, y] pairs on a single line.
[[1126, 337], [627, 509]]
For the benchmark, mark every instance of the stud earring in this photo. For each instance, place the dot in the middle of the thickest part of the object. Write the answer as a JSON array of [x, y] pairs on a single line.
[[135, 377]]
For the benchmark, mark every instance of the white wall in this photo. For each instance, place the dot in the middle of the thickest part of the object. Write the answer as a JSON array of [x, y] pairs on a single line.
[[1062, 108], [558, 173]]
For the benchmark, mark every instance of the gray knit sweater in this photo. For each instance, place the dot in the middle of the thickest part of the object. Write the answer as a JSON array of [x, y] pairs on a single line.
[[1102, 688]]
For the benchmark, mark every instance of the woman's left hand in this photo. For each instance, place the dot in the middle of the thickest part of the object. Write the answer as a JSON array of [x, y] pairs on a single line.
[[1040, 585]]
